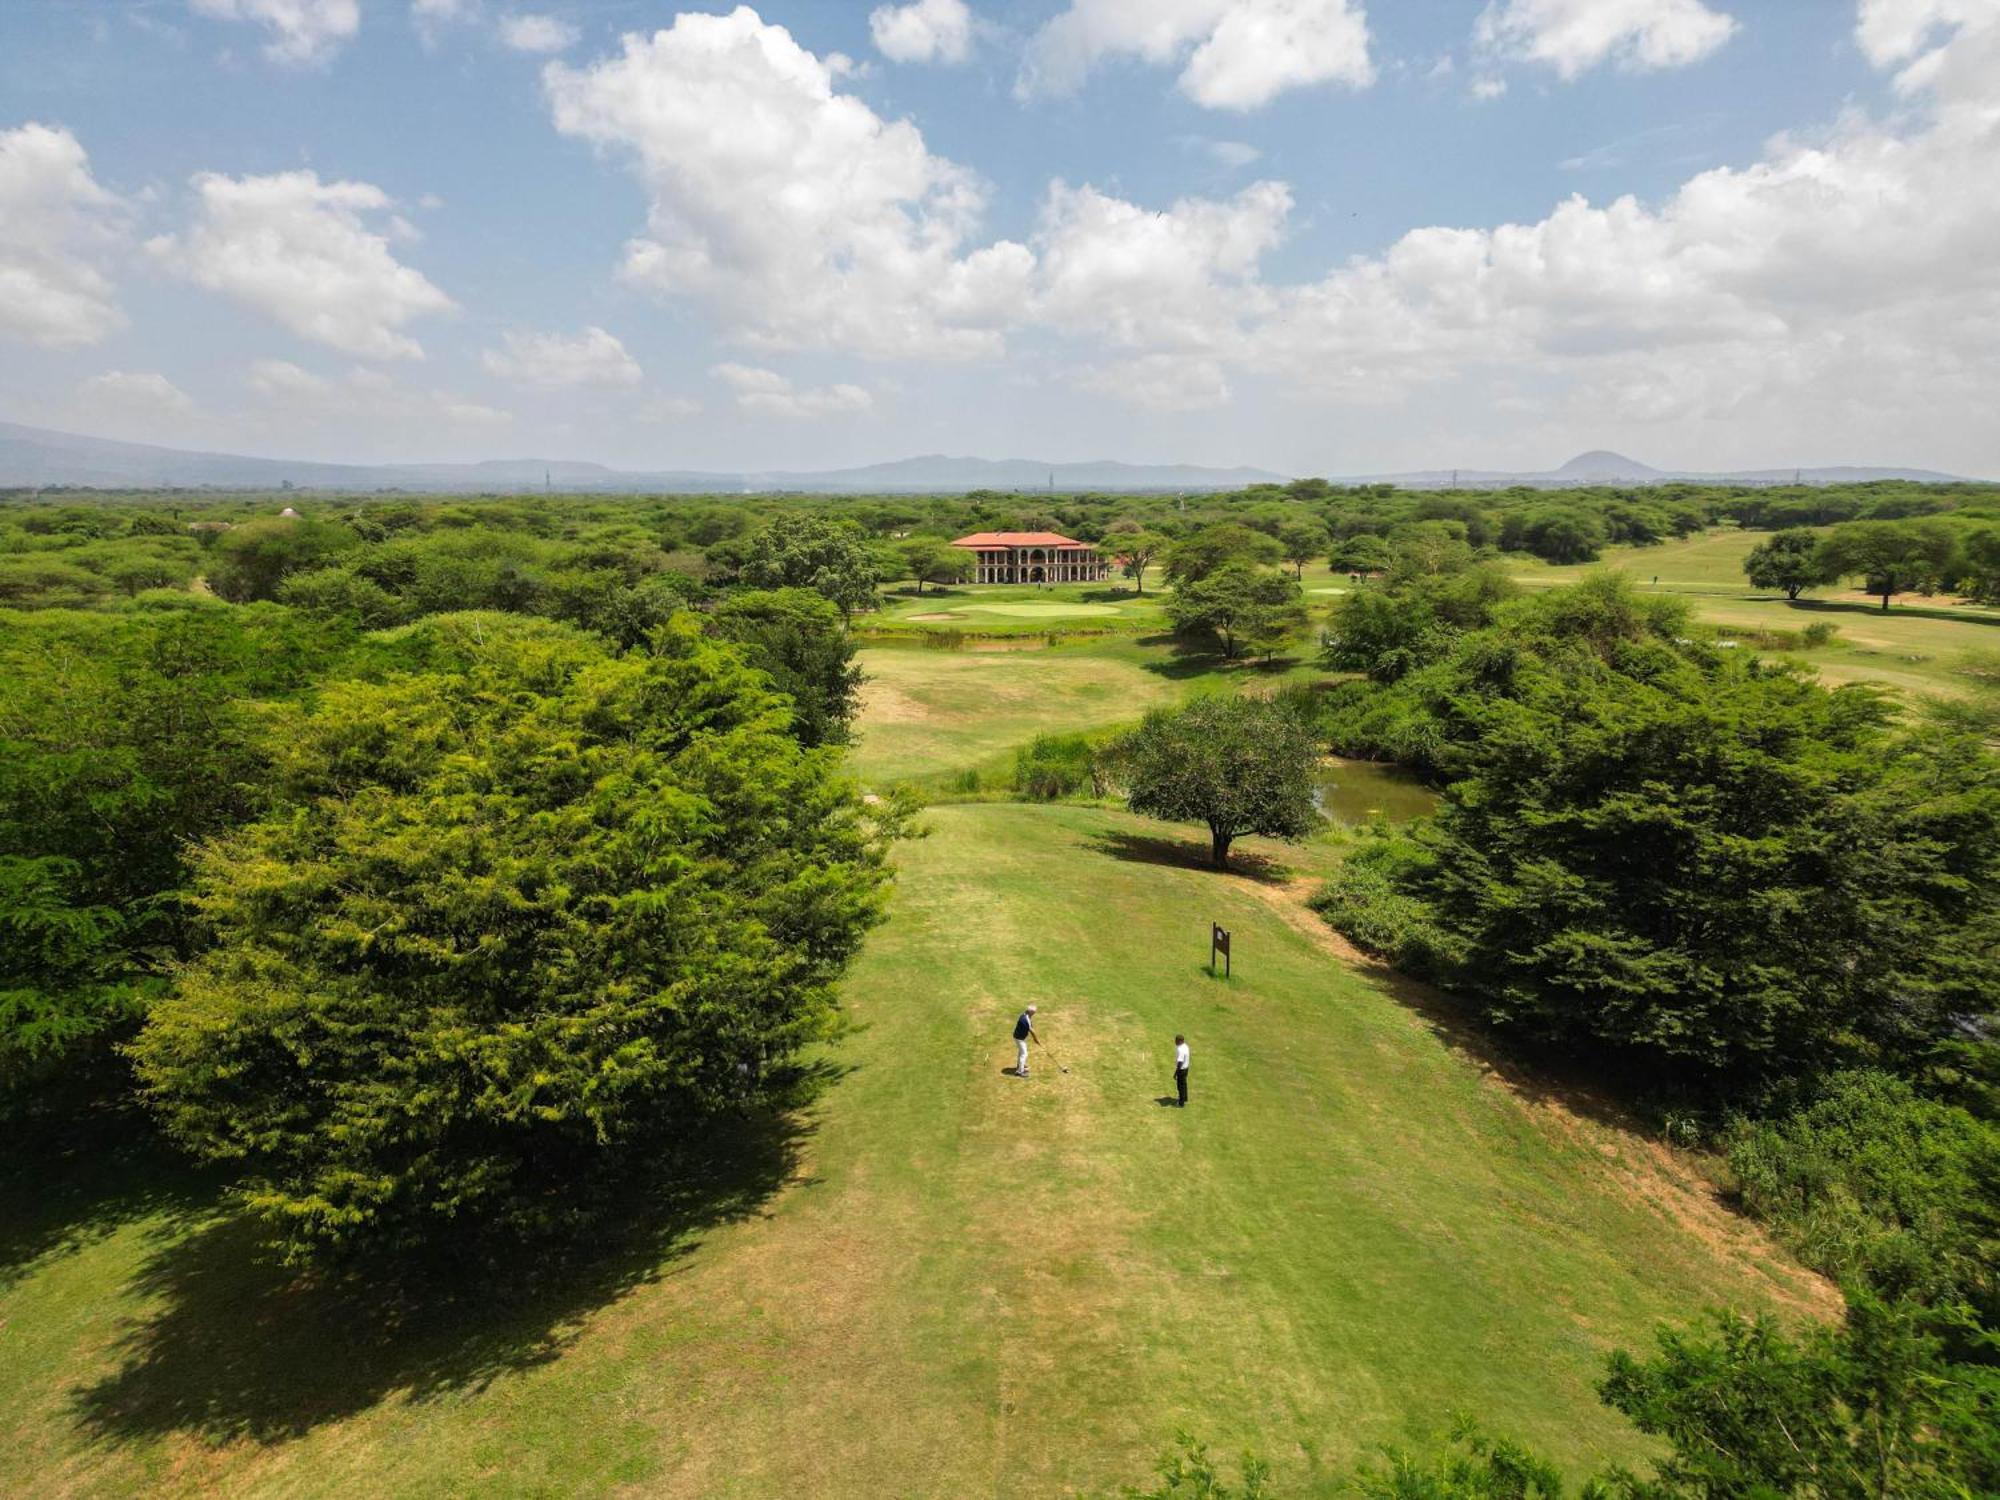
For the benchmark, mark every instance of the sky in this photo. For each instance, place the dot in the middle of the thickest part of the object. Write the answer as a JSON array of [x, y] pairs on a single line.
[[1331, 237]]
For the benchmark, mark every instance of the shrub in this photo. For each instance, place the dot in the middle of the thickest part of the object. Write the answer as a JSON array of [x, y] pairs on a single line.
[[1054, 766], [1874, 1184]]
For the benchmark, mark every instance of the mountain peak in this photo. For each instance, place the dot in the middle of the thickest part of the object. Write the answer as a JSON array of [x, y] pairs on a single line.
[[1601, 463]]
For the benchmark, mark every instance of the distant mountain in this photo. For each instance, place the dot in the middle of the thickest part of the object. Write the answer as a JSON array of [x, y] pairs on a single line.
[[1599, 467], [36, 457]]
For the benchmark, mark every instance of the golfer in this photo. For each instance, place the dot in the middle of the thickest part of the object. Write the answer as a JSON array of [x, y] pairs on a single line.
[[1180, 1068], [1024, 1028]]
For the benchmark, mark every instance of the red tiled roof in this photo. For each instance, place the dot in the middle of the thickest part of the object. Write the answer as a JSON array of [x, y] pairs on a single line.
[[1016, 539]]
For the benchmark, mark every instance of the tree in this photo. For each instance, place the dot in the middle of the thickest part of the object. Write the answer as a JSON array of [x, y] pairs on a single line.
[[802, 551], [932, 560], [521, 919], [1240, 765], [1788, 560], [251, 560], [1981, 573], [1427, 549], [1139, 549], [1691, 859], [798, 639], [1194, 557], [1891, 557], [1871, 1411], [1363, 553], [1302, 541], [1241, 607], [122, 740]]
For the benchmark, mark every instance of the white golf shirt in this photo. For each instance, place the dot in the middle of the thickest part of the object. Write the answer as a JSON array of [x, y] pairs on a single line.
[[1180, 1057]]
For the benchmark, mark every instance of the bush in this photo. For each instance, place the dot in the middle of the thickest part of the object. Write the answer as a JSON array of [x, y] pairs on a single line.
[[1367, 900], [1054, 766], [1878, 1186]]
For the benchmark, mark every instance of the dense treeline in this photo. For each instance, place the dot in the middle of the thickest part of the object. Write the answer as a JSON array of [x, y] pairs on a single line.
[[424, 874], [1772, 909]]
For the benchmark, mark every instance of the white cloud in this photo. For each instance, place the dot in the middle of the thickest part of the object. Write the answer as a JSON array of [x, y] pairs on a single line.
[[1488, 87], [1161, 382], [431, 17], [365, 399], [669, 409], [1574, 36], [301, 252], [1176, 279], [303, 32], [1232, 154], [923, 31], [124, 395], [767, 391], [551, 361], [537, 33], [56, 222], [795, 212], [1233, 54]]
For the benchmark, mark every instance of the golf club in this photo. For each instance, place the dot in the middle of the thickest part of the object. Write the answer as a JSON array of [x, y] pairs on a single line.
[[1060, 1065]]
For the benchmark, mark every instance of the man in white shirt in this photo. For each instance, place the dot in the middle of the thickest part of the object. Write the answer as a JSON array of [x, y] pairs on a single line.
[[1181, 1067], [1024, 1027]]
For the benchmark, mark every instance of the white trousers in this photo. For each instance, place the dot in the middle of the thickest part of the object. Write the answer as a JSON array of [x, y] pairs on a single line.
[[1021, 1067]]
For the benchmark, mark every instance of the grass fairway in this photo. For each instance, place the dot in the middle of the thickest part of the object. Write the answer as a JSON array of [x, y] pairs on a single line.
[[966, 1284], [1914, 647]]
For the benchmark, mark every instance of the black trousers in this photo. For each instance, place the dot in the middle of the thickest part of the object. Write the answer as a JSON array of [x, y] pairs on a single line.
[[1180, 1082]]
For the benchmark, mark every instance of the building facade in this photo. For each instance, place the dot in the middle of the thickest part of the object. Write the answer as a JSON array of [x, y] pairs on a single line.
[[1033, 557]]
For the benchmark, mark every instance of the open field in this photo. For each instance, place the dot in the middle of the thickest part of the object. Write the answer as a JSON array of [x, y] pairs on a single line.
[[1914, 647], [927, 712], [957, 1282], [1110, 608]]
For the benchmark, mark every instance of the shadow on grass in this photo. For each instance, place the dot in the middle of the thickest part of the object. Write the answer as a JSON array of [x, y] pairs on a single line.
[[1181, 854], [1947, 613], [242, 1346], [1185, 658], [64, 1189]]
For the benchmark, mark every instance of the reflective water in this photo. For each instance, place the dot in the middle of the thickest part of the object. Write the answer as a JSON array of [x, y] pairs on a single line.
[[1353, 791]]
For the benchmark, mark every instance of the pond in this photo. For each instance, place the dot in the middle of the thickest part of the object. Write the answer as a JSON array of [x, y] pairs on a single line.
[[1353, 791]]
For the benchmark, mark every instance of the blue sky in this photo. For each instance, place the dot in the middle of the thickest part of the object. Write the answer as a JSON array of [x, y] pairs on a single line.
[[1320, 236]]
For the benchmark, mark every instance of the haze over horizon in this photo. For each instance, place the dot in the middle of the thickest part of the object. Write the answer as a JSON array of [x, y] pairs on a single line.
[[1308, 236]]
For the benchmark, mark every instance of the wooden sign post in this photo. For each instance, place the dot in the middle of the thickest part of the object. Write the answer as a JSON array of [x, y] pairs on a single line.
[[1218, 942]]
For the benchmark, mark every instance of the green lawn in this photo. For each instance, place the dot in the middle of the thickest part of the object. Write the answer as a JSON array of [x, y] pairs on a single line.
[[1110, 608], [1915, 647], [967, 1284], [927, 712]]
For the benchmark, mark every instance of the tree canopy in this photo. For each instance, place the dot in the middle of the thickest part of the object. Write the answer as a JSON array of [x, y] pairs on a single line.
[[1239, 765], [521, 913]]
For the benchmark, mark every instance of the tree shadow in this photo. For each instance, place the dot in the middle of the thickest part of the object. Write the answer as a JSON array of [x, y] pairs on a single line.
[[60, 1194], [1180, 854], [1536, 1073], [1957, 615], [242, 1346]]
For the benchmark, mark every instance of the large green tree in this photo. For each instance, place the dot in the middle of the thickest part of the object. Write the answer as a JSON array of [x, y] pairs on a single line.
[[1194, 557], [522, 918], [931, 559], [1242, 607], [1890, 557], [1239, 765], [1689, 857], [1788, 560], [805, 551], [799, 639]]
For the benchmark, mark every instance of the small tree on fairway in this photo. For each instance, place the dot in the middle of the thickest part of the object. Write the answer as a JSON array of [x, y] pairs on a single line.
[[1302, 541], [1140, 549], [1789, 560], [1240, 765], [1366, 553], [1241, 607], [931, 560]]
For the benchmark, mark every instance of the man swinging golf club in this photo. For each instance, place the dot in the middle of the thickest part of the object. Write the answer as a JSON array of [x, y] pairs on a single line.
[[1024, 1028]]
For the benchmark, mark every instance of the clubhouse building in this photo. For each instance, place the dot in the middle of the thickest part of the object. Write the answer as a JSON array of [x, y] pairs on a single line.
[[1033, 557]]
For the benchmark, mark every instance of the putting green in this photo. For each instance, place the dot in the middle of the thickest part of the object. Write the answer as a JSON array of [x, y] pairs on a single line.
[[1050, 611]]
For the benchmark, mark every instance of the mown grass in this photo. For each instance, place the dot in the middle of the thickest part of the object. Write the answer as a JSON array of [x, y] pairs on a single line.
[[953, 1281], [1916, 647]]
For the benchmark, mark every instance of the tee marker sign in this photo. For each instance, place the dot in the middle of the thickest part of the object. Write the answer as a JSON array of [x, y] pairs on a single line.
[[1218, 942]]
